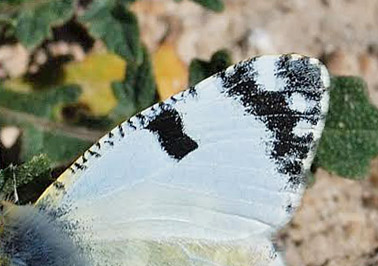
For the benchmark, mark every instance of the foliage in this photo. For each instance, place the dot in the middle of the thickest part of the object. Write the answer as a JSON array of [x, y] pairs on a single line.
[[38, 115], [350, 138], [137, 91], [95, 75], [123, 38], [215, 5], [34, 24], [15, 179], [200, 69], [31, 22]]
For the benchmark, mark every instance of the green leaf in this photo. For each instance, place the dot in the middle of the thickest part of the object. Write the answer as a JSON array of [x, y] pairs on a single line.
[[40, 104], [127, 2], [29, 179], [39, 117], [199, 69], [59, 146], [9, 7], [34, 22], [350, 137], [137, 91], [116, 26], [5, 19], [14, 2], [215, 5]]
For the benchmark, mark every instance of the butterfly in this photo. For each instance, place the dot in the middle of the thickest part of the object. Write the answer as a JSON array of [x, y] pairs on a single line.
[[206, 177]]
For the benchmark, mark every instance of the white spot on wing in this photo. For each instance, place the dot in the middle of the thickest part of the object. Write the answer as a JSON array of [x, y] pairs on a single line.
[[266, 69], [296, 57], [314, 61], [302, 128], [298, 102]]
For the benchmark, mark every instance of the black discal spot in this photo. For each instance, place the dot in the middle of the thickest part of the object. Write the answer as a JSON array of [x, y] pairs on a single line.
[[273, 108], [169, 128]]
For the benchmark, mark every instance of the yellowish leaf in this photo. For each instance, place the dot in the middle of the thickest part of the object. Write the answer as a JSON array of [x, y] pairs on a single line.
[[171, 73], [95, 75]]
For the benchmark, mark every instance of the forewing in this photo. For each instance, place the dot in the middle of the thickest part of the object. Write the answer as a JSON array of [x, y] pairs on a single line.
[[204, 178]]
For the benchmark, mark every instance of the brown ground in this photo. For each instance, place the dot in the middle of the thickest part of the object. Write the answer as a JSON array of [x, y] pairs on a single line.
[[338, 221], [336, 225], [341, 32]]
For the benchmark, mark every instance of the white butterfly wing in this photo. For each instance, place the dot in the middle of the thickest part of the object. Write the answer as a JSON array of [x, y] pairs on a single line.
[[204, 178]]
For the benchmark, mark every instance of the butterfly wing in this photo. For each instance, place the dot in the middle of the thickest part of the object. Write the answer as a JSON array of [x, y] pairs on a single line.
[[204, 178]]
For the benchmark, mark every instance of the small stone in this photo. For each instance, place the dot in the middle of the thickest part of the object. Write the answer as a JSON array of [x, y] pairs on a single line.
[[290, 5], [9, 136], [14, 60], [40, 57], [261, 41], [59, 48], [373, 49], [77, 52]]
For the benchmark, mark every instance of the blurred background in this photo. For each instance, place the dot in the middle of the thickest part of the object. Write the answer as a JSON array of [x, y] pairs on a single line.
[[71, 70]]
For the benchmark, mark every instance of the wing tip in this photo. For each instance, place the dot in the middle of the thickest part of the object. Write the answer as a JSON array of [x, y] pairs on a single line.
[[142, 119]]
